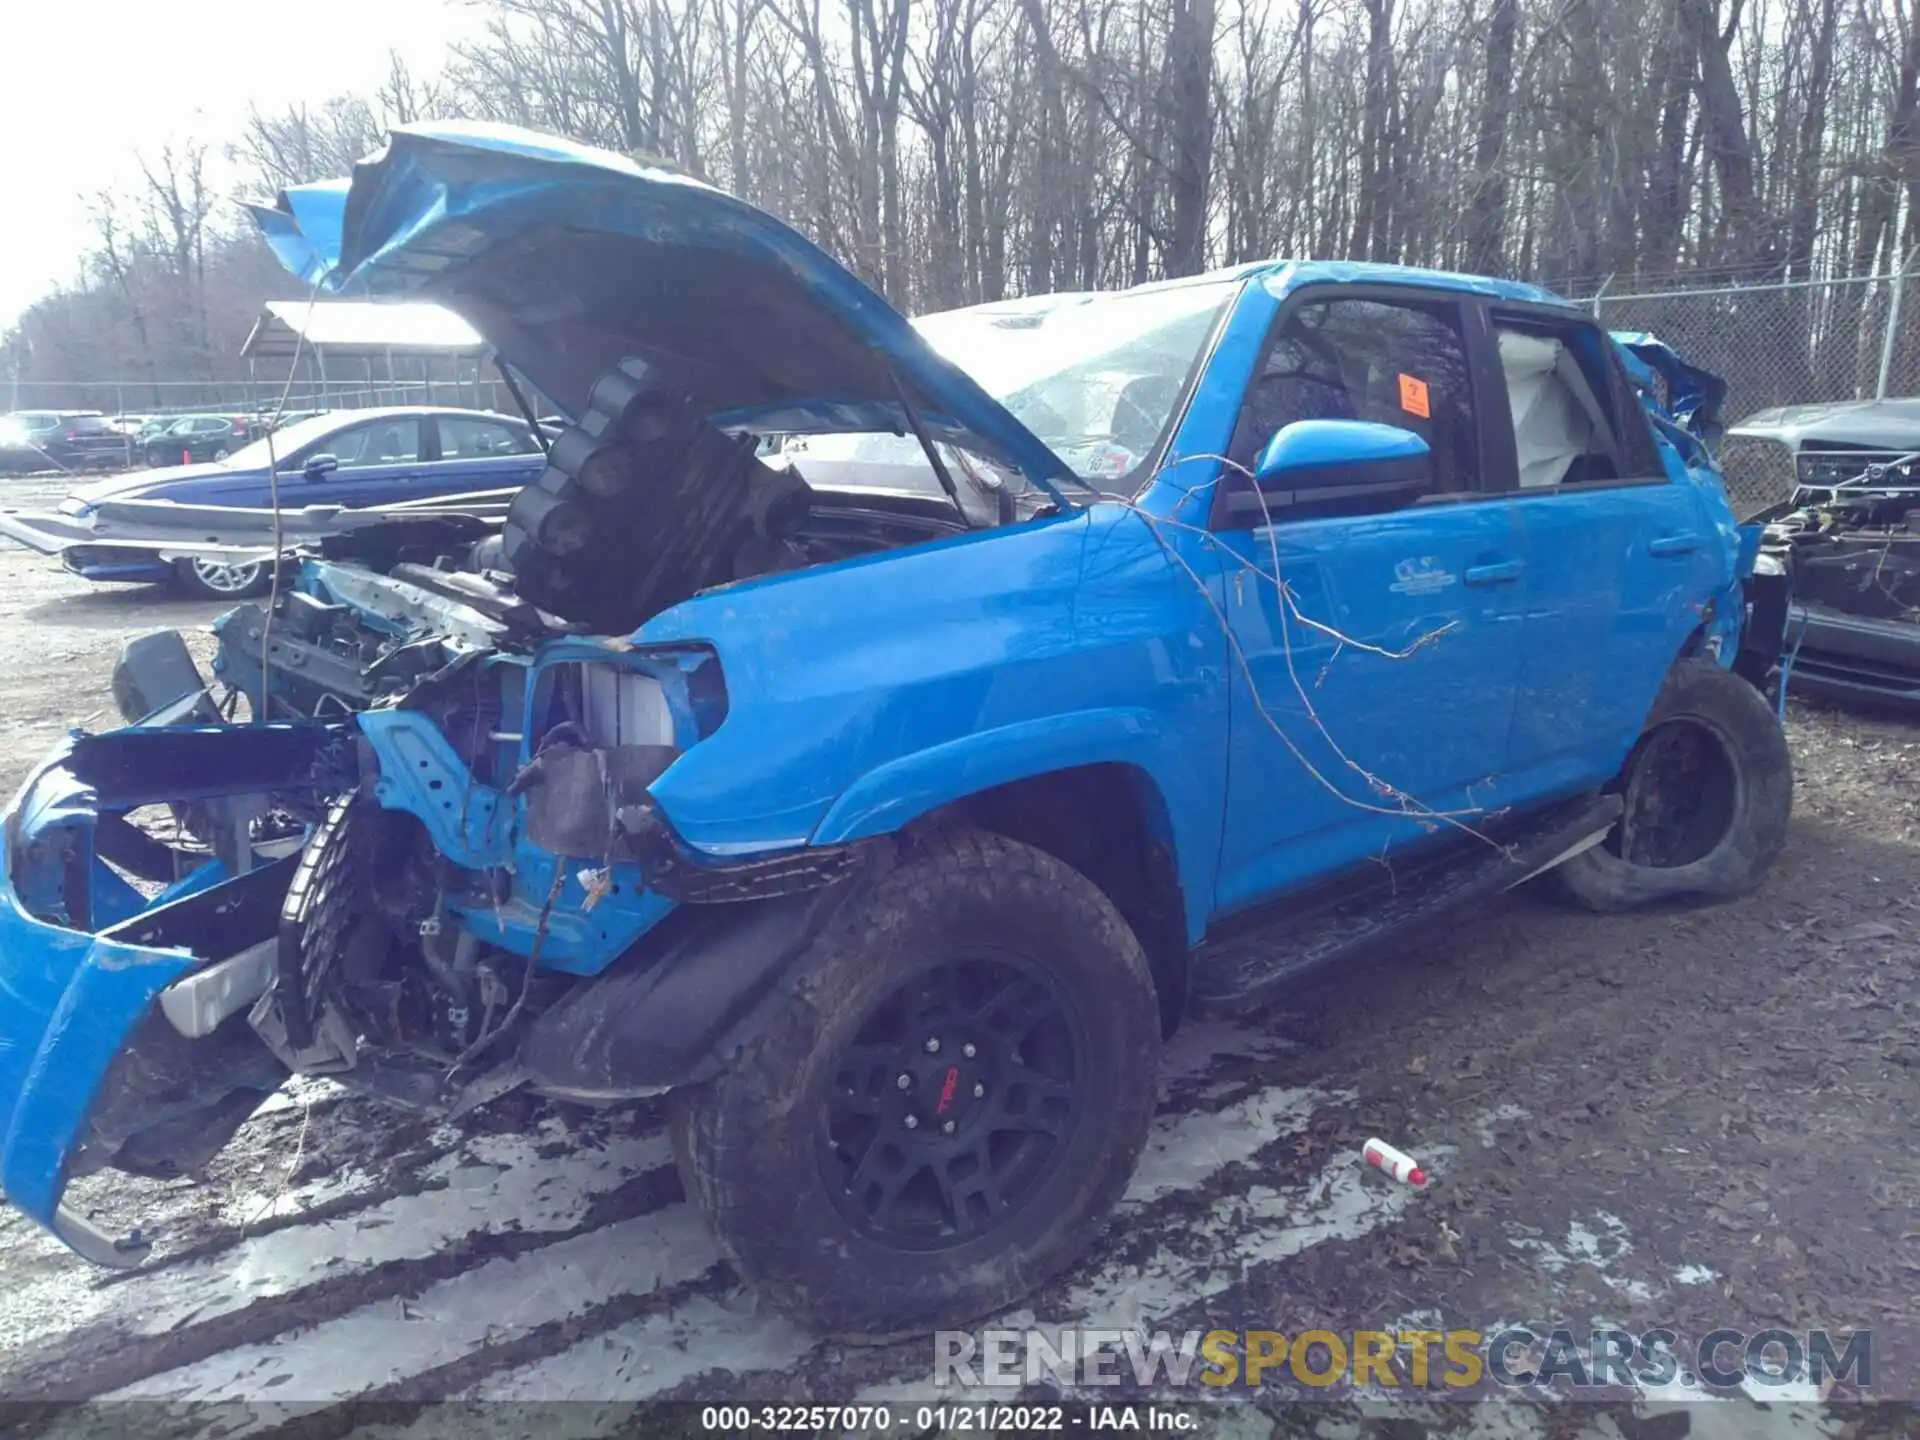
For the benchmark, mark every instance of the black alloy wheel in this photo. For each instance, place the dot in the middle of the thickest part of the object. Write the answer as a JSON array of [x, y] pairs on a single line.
[[953, 1102]]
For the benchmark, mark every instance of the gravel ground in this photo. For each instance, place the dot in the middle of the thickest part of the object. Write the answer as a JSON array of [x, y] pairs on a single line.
[[1691, 1119]]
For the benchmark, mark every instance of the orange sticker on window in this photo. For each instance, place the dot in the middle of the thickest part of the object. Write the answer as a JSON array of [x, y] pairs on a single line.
[[1413, 397]]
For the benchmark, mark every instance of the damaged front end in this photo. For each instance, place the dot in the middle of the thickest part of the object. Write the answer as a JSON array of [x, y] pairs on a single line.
[[1852, 547], [144, 872], [501, 848], [576, 797], [441, 878]]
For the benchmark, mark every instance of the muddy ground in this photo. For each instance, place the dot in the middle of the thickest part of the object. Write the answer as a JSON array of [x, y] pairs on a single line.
[[1692, 1119]]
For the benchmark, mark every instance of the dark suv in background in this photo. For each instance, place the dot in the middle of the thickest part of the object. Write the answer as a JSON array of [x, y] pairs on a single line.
[[194, 438], [33, 440]]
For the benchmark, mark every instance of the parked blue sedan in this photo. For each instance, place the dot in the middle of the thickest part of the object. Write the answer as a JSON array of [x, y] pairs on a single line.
[[353, 458]]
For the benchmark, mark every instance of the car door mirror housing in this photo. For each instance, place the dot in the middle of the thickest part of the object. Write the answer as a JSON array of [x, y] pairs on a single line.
[[1334, 465], [320, 466]]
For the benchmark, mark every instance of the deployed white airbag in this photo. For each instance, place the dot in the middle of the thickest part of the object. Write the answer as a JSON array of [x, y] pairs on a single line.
[[1551, 428]]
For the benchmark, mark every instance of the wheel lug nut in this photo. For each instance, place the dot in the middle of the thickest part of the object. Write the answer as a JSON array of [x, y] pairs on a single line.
[[979, 1090], [905, 1082], [913, 1122], [933, 1046], [948, 1127], [968, 1050]]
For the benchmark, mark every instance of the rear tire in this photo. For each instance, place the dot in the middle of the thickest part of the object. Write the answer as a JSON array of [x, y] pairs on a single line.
[[1016, 1004], [1708, 789]]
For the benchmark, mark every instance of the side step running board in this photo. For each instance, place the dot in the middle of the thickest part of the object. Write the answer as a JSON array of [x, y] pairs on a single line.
[[1287, 941]]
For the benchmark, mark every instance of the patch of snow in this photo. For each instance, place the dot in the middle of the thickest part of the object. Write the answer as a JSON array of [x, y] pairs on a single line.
[[1694, 1275], [276, 1200], [1181, 1156], [1199, 1045], [920, 1389], [647, 1356], [1182, 1152], [1237, 1233], [299, 1092], [498, 1183], [1238, 1422], [393, 1339], [1728, 1417], [1602, 1245], [1582, 1246], [1486, 1124]]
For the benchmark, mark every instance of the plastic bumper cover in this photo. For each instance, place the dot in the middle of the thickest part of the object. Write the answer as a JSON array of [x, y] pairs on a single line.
[[71, 995]]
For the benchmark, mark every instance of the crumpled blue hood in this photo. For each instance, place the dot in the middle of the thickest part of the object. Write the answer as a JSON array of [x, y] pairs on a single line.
[[570, 259]]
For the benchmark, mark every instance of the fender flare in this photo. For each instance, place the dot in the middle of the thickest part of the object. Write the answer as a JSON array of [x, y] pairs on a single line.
[[893, 795], [675, 1009], [905, 788]]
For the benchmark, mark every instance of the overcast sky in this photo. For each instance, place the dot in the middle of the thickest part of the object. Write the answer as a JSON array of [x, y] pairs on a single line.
[[88, 83]]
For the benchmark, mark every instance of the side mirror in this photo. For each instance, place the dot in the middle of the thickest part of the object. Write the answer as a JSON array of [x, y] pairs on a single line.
[[318, 467], [1339, 463]]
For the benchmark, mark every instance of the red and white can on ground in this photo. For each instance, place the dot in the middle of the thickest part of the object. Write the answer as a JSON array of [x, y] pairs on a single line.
[[1400, 1165]]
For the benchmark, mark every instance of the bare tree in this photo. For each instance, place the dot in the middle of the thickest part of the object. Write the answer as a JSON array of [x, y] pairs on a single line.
[[951, 151]]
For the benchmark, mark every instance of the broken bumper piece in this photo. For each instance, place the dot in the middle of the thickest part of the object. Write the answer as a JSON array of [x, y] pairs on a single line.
[[1863, 658], [99, 1063]]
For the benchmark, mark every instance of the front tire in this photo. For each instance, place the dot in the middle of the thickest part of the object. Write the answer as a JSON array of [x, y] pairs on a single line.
[[213, 580], [947, 1105], [1708, 789]]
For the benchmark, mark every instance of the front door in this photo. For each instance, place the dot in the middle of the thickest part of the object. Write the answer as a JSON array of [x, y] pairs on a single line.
[[1376, 656], [381, 463]]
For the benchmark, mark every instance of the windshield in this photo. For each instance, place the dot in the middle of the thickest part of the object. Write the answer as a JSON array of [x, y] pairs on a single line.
[[1096, 380], [286, 440], [859, 460]]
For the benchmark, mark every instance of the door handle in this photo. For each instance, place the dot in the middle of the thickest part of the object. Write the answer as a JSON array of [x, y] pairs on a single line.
[[1497, 572], [1673, 545]]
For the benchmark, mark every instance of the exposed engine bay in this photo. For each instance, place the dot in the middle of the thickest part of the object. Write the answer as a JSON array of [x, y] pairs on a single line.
[[1855, 548], [423, 955], [1852, 549], [642, 505]]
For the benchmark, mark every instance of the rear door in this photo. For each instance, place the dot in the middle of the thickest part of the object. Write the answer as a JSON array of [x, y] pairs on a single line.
[[1617, 555], [478, 452]]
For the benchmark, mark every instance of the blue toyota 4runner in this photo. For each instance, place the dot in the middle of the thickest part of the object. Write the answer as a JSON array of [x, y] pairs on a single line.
[[889, 822]]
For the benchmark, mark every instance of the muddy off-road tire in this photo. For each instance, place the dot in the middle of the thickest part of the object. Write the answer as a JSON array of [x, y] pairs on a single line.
[[1708, 790], [947, 1106]]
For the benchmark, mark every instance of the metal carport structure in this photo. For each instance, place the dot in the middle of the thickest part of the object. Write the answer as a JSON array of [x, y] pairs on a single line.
[[409, 353]]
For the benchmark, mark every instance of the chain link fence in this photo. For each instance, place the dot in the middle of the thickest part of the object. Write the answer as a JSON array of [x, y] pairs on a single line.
[[150, 398], [1795, 343], [1788, 343]]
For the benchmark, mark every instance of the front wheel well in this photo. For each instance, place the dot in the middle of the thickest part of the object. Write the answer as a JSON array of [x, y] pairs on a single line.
[[1109, 822]]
